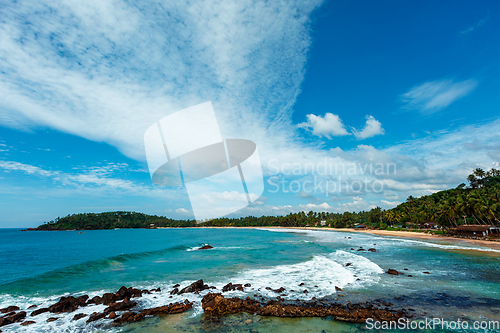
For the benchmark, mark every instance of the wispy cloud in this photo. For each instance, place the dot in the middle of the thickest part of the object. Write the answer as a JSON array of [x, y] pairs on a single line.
[[328, 126], [480, 23], [97, 178], [372, 127], [433, 96], [106, 70]]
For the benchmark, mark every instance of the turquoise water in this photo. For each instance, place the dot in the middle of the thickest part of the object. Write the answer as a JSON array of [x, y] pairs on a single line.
[[40, 267]]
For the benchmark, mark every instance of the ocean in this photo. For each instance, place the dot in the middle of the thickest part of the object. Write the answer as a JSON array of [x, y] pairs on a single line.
[[39, 267]]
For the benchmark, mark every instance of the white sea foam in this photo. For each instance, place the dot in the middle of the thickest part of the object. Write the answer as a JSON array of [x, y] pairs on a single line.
[[323, 271], [445, 246], [335, 236]]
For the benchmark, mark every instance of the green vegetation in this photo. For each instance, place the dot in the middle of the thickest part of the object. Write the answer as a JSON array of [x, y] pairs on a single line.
[[479, 203], [112, 220]]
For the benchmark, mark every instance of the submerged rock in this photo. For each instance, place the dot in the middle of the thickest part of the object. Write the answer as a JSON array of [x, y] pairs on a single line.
[[232, 287], [27, 322], [12, 318], [96, 316], [392, 271], [131, 317], [79, 316], [120, 306], [9, 309], [38, 311]]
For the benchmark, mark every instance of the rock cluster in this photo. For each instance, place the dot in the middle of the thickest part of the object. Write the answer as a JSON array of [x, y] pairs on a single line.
[[215, 304]]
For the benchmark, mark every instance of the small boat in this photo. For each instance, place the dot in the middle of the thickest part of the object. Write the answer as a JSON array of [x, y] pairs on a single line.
[[80, 232]]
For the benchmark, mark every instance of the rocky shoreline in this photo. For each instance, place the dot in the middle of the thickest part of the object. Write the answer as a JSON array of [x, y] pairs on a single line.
[[122, 307]]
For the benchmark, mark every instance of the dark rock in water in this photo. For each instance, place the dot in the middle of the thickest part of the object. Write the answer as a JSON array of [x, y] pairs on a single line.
[[405, 269], [280, 290], [112, 315], [79, 316], [145, 291], [361, 249], [206, 247], [305, 291], [51, 319], [130, 292], [372, 250], [358, 279], [12, 318], [32, 306], [217, 305], [352, 249], [247, 285], [337, 289], [27, 322], [392, 271], [348, 264], [195, 286], [68, 304], [157, 290], [231, 287], [131, 317], [96, 316], [300, 285], [176, 286], [38, 311], [427, 273], [108, 298], [95, 300], [120, 306], [174, 292], [9, 309]]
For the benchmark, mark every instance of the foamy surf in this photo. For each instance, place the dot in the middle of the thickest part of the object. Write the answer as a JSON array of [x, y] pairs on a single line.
[[320, 276]]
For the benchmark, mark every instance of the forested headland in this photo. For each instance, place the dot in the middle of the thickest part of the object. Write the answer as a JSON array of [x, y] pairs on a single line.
[[475, 203]]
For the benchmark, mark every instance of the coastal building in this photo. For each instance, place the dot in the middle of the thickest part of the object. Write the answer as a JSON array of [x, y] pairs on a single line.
[[323, 223], [359, 226], [477, 230]]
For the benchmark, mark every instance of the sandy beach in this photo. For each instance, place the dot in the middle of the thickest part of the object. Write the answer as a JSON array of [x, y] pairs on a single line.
[[408, 234]]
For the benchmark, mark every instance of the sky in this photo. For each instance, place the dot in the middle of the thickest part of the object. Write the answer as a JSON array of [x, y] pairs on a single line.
[[393, 98]]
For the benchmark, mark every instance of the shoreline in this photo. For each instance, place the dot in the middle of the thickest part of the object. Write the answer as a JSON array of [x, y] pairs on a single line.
[[406, 234]]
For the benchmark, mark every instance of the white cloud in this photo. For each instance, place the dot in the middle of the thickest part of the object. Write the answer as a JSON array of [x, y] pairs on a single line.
[[331, 125], [372, 127], [106, 70], [433, 96], [327, 126]]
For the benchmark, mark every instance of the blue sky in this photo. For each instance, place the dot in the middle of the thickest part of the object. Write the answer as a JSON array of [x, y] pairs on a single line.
[[414, 84]]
